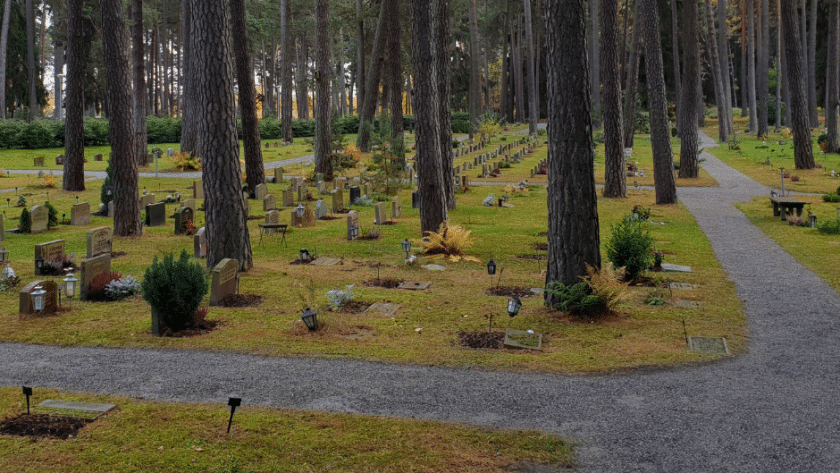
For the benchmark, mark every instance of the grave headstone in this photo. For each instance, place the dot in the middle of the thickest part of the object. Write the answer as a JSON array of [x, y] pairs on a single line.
[[320, 186], [352, 225], [200, 244], [288, 198], [97, 157], [523, 339], [368, 189], [111, 209], [99, 241], [156, 214], [146, 200], [170, 151], [92, 267], [415, 199], [379, 213], [278, 175], [297, 182], [260, 192], [269, 202], [40, 218], [396, 207], [39, 161], [224, 280], [48, 252], [338, 200], [2, 227], [182, 215], [272, 217], [340, 182], [189, 203], [79, 214], [355, 193], [715, 345], [301, 193], [320, 209], [198, 189], [59, 160], [50, 298]]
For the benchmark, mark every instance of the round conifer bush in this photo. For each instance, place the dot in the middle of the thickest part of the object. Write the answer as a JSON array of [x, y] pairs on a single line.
[[174, 289]]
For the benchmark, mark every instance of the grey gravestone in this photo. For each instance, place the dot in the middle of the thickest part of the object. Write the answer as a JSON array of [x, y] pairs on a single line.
[[675, 268], [146, 200], [384, 308], [59, 160], [99, 241], [338, 200], [39, 161], [50, 298], [288, 198], [352, 225], [414, 285], [715, 345], [278, 175], [320, 209], [340, 182], [269, 202], [92, 267], [49, 251], [380, 216], [302, 191], [111, 209], [260, 192], [97, 157], [224, 280], [80, 214], [396, 207], [368, 189], [2, 228], [181, 216], [198, 189], [320, 187], [355, 193], [523, 339], [189, 203], [170, 151], [200, 244], [415, 199], [156, 214], [297, 182], [40, 218], [272, 217], [682, 286]]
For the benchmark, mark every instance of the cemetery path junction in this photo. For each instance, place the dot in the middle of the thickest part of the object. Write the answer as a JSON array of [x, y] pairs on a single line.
[[774, 409]]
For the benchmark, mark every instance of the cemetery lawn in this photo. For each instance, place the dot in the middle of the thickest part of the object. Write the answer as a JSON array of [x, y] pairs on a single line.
[[816, 251], [425, 330], [141, 436]]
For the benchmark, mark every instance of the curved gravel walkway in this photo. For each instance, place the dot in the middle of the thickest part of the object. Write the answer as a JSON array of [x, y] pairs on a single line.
[[774, 409]]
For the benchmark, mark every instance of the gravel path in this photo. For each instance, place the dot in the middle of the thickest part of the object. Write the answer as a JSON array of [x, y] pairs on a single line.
[[774, 409]]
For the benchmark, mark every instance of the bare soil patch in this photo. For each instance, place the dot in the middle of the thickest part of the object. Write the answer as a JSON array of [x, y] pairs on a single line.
[[509, 291], [387, 283], [353, 307], [199, 325], [240, 300], [482, 339], [43, 426]]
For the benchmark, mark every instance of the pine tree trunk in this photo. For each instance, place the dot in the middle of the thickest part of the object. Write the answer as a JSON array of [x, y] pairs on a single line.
[[475, 70], [30, 61], [254, 169], [430, 176], [533, 114], [676, 62], [115, 47], [594, 67], [302, 73], [832, 80], [394, 73], [520, 81], [374, 71], [615, 182], [323, 116], [224, 211], [803, 153], [723, 57], [4, 46], [139, 72], [660, 136], [189, 125], [785, 78], [506, 112], [74, 137], [812, 63], [573, 234], [690, 92], [632, 86], [751, 66], [286, 72], [717, 73], [762, 69], [341, 80], [360, 53], [442, 40]]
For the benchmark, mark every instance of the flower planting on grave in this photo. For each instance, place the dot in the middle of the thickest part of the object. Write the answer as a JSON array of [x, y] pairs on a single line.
[[99, 285], [188, 228], [59, 265]]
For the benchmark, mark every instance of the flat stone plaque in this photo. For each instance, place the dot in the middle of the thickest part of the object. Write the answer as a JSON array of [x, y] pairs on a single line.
[[537, 290], [384, 308], [675, 268], [715, 345], [523, 339], [688, 304], [683, 286], [78, 406], [433, 267], [325, 261], [414, 285]]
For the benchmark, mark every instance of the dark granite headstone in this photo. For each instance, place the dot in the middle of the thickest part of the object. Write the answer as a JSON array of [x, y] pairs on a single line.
[[92, 267], [156, 214], [415, 199], [355, 193], [182, 215]]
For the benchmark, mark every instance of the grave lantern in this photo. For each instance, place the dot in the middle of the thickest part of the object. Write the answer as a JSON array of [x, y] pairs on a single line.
[[37, 296], [310, 318], [70, 286], [812, 220], [406, 247], [491, 266], [39, 262], [299, 210], [4, 255], [504, 198], [304, 254], [513, 306], [353, 232]]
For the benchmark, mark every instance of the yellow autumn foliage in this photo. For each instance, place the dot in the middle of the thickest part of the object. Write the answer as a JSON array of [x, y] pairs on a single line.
[[607, 283], [449, 240]]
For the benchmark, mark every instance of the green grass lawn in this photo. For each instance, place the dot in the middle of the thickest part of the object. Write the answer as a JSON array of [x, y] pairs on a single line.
[[141, 436]]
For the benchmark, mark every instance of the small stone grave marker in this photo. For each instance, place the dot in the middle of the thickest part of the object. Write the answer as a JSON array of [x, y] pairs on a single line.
[[59, 160], [379, 213], [170, 152], [146, 200], [156, 214], [92, 267], [415, 199], [523, 339], [278, 175], [189, 203], [288, 198], [181, 216], [682, 286], [224, 280], [40, 218], [414, 285], [50, 298], [322, 261], [320, 209], [352, 225], [39, 161], [384, 309], [675, 268], [396, 207], [433, 267], [340, 182], [99, 241], [200, 244], [715, 345], [302, 192], [97, 157], [49, 251], [338, 200], [297, 182], [93, 408], [269, 202], [198, 189], [272, 217], [688, 304], [80, 214], [260, 192]]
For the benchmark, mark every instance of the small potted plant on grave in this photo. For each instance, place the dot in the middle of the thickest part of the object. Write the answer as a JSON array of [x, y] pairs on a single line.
[[822, 141], [174, 289]]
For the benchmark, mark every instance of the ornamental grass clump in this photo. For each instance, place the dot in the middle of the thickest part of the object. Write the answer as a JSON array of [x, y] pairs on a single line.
[[595, 296], [174, 289], [630, 246], [449, 240]]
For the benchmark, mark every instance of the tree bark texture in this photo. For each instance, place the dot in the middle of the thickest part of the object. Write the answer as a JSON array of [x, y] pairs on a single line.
[[138, 103], [302, 72], [115, 46], [723, 57], [533, 80], [615, 182], [595, 69], [430, 176], [254, 169], [675, 51], [762, 69], [803, 153], [632, 85], [287, 48], [442, 39], [520, 82], [690, 92], [660, 136], [74, 137], [30, 61], [189, 127], [224, 211], [717, 72], [784, 69], [4, 54], [573, 233], [751, 59], [323, 117], [475, 69], [832, 79], [360, 52], [374, 71], [812, 63], [394, 73]]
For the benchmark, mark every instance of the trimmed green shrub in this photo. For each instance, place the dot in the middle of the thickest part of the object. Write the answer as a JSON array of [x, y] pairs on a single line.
[[174, 289], [37, 134], [829, 227], [578, 299], [52, 220], [10, 131], [104, 196], [96, 131], [831, 197], [25, 222], [629, 246]]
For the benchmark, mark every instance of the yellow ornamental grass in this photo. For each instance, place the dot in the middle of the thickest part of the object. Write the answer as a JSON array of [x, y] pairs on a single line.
[[607, 283], [449, 240], [49, 180]]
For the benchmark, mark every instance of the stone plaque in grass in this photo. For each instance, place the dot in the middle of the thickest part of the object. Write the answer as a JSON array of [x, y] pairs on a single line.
[[384, 309], [675, 268], [39, 161], [523, 339], [688, 304], [714, 345], [94, 409], [414, 285], [682, 286], [224, 280], [80, 214]]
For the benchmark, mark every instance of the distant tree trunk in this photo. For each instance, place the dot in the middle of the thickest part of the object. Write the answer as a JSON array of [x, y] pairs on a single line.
[[254, 168], [394, 72], [164, 64], [442, 40], [660, 136], [342, 77], [224, 211], [138, 95], [115, 47], [74, 137], [784, 69], [4, 46], [520, 81], [780, 75], [505, 112], [360, 52], [632, 86], [745, 83], [714, 61], [301, 66], [189, 119], [676, 62], [573, 234], [286, 72], [475, 69], [751, 59], [367, 109], [723, 56], [690, 92], [533, 81], [812, 62], [763, 84], [832, 79], [615, 182], [433, 210], [30, 60], [594, 68], [323, 117], [803, 153]]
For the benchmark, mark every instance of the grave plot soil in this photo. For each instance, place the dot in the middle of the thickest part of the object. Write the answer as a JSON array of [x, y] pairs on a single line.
[[481, 339], [387, 283], [198, 326], [297, 261], [117, 254], [43, 426], [354, 307], [540, 246], [369, 237], [509, 291], [327, 217], [240, 300], [256, 217]]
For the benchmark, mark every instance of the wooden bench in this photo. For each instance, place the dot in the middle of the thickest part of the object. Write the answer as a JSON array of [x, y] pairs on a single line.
[[783, 205]]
